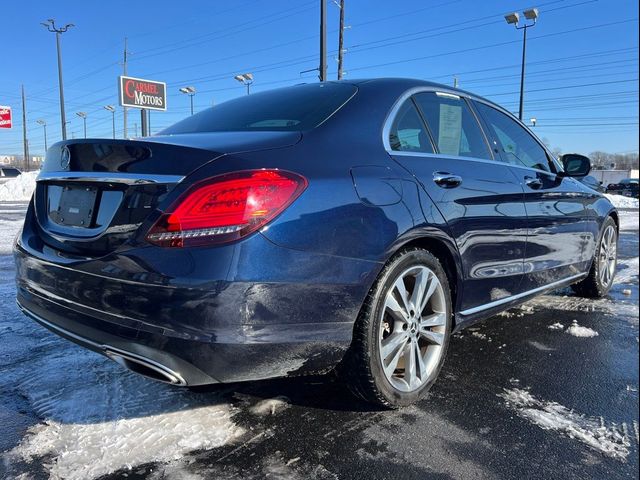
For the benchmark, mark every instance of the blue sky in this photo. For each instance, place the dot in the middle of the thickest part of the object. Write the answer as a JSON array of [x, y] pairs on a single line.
[[582, 58]]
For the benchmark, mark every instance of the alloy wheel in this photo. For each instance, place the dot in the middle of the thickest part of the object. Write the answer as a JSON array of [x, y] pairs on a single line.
[[608, 255], [412, 328]]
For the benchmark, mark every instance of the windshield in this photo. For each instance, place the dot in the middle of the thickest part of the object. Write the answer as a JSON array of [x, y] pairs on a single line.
[[298, 108]]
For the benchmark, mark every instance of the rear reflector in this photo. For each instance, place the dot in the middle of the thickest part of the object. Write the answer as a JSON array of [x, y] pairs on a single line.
[[226, 208]]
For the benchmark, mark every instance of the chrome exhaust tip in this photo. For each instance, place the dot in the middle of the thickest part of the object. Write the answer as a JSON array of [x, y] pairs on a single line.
[[145, 367]]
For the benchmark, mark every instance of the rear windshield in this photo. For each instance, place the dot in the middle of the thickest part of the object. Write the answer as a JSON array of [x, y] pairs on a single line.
[[298, 108]]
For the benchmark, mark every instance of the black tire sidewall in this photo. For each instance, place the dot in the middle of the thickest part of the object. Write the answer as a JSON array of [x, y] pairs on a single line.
[[397, 266]]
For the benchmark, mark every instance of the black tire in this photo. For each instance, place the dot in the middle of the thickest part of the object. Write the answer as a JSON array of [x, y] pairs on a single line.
[[593, 285], [362, 368]]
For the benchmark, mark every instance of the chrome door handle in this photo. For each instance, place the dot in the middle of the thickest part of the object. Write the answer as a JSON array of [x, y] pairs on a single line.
[[533, 183], [446, 179]]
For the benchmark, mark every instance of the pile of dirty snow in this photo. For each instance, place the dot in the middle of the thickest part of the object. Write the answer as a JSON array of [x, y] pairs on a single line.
[[19, 188], [620, 201]]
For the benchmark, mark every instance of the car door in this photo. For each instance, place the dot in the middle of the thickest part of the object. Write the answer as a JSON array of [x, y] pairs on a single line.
[[436, 137], [557, 245]]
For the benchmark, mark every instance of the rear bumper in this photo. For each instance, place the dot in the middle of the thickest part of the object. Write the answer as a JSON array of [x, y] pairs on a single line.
[[233, 320]]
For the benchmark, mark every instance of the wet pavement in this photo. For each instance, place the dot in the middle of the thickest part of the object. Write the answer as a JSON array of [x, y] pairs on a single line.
[[515, 399]]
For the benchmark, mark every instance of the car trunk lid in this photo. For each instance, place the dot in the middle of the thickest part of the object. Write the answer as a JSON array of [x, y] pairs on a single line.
[[92, 195]]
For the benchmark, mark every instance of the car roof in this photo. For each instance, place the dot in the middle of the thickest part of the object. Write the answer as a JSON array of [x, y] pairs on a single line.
[[402, 82]]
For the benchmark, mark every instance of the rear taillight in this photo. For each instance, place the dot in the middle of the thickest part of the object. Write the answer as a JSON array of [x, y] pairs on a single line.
[[225, 208]]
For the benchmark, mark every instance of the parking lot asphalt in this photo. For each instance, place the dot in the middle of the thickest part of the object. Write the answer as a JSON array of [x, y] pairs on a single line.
[[546, 390]]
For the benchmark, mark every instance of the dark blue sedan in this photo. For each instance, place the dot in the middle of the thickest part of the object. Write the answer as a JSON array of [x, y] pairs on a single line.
[[349, 226]]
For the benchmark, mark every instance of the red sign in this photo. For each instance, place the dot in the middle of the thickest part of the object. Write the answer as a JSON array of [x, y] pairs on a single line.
[[5, 117], [140, 93]]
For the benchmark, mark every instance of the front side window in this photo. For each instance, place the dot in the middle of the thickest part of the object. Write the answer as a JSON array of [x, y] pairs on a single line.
[[515, 144], [408, 133], [453, 126]]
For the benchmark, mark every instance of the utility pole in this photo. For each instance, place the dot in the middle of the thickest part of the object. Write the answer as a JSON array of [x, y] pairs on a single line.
[[50, 26], [323, 41], [341, 40], [455, 81], [24, 131], [124, 72]]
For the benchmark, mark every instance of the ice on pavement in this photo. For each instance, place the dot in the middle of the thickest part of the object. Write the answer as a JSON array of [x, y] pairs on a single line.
[[610, 440], [19, 188], [580, 331]]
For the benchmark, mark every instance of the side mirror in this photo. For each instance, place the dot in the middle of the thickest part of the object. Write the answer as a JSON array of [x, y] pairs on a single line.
[[576, 165]]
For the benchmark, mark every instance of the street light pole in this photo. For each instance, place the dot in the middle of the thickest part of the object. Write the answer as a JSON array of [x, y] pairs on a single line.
[[44, 126], [514, 19], [50, 26], [112, 109], [245, 79], [191, 91], [83, 116]]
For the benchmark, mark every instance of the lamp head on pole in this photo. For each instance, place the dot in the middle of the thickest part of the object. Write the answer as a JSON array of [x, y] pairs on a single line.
[[82, 114], [244, 78], [110, 108], [190, 90], [41, 122], [512, 18]]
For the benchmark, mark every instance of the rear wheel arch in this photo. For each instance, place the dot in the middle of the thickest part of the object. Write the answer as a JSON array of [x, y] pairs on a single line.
[[448, 256]]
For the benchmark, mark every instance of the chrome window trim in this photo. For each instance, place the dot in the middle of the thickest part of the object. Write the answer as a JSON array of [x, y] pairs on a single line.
[[109, 177], [502, 301], [397, 153]]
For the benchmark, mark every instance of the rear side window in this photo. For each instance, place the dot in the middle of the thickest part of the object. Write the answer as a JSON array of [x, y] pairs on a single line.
[[515, 144], [298, 108], [454, 127], [408, 133]]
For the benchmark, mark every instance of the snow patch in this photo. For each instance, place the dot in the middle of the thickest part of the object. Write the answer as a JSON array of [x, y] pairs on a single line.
[[8, 231], [556, 326], [578, 331], [19, 188], [591, 431], [270, 406], [98, 419], [479, 335], [620, 201], [627, 270]]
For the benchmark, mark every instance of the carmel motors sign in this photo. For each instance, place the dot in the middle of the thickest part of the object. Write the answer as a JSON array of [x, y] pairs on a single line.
[[140, 93]]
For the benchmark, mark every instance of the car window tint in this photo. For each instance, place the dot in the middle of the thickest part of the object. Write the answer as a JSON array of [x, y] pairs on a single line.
[[454, 127], [297, 108], [515, 144], [11, 172], [408, 133]]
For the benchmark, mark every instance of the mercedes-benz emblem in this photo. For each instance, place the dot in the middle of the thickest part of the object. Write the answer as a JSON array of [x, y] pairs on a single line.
[[65, 158]]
